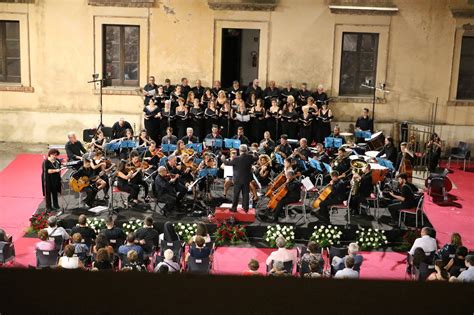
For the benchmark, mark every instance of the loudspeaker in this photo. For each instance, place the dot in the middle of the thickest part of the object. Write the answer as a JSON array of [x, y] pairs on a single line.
[[88, 134]]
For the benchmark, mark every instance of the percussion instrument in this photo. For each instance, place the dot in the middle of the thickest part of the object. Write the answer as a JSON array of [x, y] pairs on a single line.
[[378, 172], [376, 141], [372, 154]]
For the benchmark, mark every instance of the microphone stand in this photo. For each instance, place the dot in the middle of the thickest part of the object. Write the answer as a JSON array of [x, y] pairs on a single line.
[[96, 79], [375, 89]]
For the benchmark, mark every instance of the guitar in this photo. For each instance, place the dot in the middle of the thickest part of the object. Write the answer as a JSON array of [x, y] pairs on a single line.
[[77, 185]]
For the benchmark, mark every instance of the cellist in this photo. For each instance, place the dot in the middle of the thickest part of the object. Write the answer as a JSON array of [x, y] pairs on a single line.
[[405, 161], [338, 195], [293, 194]]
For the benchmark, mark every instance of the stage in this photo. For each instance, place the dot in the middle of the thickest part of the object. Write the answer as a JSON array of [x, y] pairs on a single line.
[[21, 196]]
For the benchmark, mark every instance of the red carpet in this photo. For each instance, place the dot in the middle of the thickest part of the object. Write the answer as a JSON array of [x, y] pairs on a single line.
[[458, 215]]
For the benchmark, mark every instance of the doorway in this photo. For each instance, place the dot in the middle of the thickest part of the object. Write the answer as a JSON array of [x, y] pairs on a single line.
[[240, 55]]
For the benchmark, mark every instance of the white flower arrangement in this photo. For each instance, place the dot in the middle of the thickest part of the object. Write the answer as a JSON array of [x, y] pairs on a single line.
[[132, 225], [326, 236], [96, 224], [371, 238], [274, 231], [185, 230]]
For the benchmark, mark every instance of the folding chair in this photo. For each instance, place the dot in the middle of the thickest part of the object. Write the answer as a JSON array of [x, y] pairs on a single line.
[[342, 206], [199, 265], [413, 211], [340, 252], [7, 252], [116, 243], [287, 265], [176, 247], [298, 205], [58, 242], [46, 258], [123, 195]]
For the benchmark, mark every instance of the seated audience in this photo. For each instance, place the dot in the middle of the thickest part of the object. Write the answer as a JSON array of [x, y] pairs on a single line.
[[69, 261], [44, 243], [278, 269], [168, 262], [101, 242], [130, 245], [458, 263], [468, 274], [353, 250], [201, 230], [313, 254], [282, 253], [87, 233], [426, 242], [147, 236], [169, 233], [113, 232], [315, 270], [440, 273], [449, 249], [253, 265], [198, 249], [133, 263], [163, 269], [348, 272], [102, 260], [80, 249], [418, 257], [55, 230]]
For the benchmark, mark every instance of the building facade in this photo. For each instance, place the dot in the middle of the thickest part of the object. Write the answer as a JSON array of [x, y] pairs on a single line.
[[422, 50]]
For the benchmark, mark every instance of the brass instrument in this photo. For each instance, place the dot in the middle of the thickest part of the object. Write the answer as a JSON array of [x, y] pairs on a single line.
[[357, 167]]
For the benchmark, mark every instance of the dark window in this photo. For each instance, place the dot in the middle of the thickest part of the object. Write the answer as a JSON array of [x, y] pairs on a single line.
[[466, 69], [358, 63], [121, 54], [10, 51]]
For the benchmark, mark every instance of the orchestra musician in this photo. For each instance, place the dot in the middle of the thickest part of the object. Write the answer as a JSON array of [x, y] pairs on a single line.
[[284, 148], [144, 140], [240, 136], [389, 150], [119, 128], [124, 152], [51, 179], [176, 171], [338, 195], [169, 138], [198, 90], [96, 183], [181, 116], [242, 176], [302, 152], [336, 133], [289, 118], [211, 115], [404, 200], [152, 155], [99, 165], [321, 154], [190, 137], [362, 188], [98, 141], [254, 88], [320, 96], [149, 90], [181, 148], [341, 163], [293, 195], [434, 152], [214, 135], [74, 148], [136, 164], [208, 162], [364, 122], [165, 191], [271, 92], [124, 176], [404, 155], [261, 171], [257, 121], [267, 145]]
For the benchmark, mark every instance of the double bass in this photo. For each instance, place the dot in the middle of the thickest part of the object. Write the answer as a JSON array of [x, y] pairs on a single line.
[[406, 167]]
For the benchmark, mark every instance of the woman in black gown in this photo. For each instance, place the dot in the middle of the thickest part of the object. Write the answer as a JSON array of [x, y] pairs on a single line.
[[240, 111], [181, 116], [152, 120], [166, 118], [207, 97], [258, 121], [196, 114], [211, 116], [289, 121], [51, 179], [434, 152], [324, 128], [306, 125], [225, 121], [272, 116]]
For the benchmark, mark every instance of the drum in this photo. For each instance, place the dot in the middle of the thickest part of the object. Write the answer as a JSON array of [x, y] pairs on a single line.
[[372, 154], [376, 141], [378, 172]]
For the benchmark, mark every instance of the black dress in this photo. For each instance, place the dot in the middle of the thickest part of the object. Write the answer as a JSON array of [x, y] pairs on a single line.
[[257, 125], [306, 127], [272, 125], [226, 123], [324, 125], [289, 125], [181, 123], [167, 118], [51, 183], [211, 118], [239, 123], [197, 116], [152, 124]]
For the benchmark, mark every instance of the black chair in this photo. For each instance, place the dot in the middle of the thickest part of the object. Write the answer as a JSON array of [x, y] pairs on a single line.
[[107, 131], [116, 243], [336, 252], [175, 246], [7, 252], [199, 265], [462, 152], [46, 258], [287, 265], [58, 242]]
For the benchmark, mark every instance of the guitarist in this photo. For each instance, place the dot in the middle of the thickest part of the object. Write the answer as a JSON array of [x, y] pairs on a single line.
[[94, 182], [293, 195]]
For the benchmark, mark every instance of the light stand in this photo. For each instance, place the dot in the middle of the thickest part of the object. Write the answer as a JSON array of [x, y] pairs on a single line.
[[95, 79], [374, 88]]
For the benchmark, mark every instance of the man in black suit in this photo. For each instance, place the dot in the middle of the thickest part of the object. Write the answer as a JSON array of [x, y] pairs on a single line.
[[242, 176], [165, 191]]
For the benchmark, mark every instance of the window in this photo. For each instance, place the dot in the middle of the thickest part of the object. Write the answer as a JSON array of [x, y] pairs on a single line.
[[10, 51], [466, 69], [121, 54], [358, 63]]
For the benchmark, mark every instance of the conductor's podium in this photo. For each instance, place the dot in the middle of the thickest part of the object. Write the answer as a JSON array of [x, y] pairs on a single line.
[[223, 213]]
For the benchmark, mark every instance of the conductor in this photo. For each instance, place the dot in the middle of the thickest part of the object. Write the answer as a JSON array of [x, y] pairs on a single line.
[[242, 176]]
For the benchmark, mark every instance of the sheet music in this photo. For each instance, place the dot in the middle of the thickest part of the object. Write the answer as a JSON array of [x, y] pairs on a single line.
[[307, 183], [190, 187], [243, 118], [151, 92], [228, 171]]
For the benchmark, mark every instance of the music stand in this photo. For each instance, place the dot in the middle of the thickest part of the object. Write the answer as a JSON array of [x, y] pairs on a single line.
[[197, 147], [315, 164], [167, 148], [279, 159], [213, 143]]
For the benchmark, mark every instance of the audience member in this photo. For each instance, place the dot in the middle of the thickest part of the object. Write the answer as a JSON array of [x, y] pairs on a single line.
[[201, 230], [68, 260], [353, 250], [253, 265], [447, 251], [55, 230], [101, 242], [87, 233], [468, 274], [440, 273], [457, 264], [4, 237], [129, 246], [147, 236], [313, 254], [282, 253], [315, 270], [348, 272], [163, 269], [80, 249], [278, 269], [198, 249], [133, 263], [169, 233], [168, 262], [44, 243], [102, 260], [426, 242], [113, 232]]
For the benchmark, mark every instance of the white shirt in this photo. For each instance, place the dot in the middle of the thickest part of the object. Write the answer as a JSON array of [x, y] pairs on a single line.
[[69, 262], [426, 242], [58, 231], [347, 273], [283, 255], [467, 275]]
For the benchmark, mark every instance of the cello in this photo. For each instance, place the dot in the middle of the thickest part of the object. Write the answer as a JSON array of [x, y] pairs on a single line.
[[275, 184], [406, 167], [277, 196]]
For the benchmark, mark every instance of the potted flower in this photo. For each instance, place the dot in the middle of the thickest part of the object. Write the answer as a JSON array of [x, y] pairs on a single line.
[[371, 238], [185, 231], [96, 224], [132, 225], [274, 231], [326, 236], [233, 234], [38, 221]]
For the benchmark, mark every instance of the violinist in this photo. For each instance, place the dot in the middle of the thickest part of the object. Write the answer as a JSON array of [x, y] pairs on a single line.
[[101, 167], [138, 165], [124, 174], [169, 138], [176, 172], [261, 172], [433, 148], [228, 182], [404, 200], [197, 118], [293, 195], [144, 140], [284, 148], [181, 148], [362, 188], [165, 190], [337, 196], [389, 150], [267, 145], [198, 90], [181, 115], [152, 155]]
